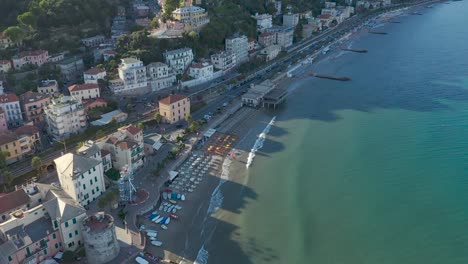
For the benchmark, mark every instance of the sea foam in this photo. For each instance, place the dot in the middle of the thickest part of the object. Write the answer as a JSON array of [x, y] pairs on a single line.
[[259, 142]]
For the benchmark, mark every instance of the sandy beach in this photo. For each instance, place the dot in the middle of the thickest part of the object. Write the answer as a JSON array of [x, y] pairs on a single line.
[[201, 215]]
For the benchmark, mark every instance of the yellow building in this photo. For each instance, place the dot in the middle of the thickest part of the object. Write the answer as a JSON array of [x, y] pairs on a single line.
[[174, 108], [193, 17], [9, 143]]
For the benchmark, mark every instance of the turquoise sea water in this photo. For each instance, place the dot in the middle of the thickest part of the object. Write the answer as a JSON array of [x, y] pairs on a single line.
[[369, 171]]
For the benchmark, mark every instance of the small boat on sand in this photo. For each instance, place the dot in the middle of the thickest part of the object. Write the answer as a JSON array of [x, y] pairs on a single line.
[[156, 243], [164, 227]]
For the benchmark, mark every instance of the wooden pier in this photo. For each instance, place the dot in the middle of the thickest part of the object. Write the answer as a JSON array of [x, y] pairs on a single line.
[[355, 50], [378, 32], [330, 77]]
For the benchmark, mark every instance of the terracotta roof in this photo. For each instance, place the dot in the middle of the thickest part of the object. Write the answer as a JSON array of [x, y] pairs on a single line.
[[324, 16], [90, 102], [29, 97], [32, 53], [132, 129], [5, 62], [126, 144], [94, 71], [199, 65], [4, 98], [81, 87], [27, 130], [7, 137], [112, 140], [172, 99], [13, 200], [104, 152]]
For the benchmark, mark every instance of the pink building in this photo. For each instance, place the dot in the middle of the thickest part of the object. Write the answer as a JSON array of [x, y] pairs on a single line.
[[33, 105], [3, 121], [36, 57]]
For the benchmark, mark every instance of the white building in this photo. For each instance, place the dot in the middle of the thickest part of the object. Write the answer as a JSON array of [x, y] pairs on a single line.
[[263, 21], [179, 59], [65, 116], [5, 66], [82, 178], [94, 74], [133, 74], [290, 20], [201, 70], [160, 76], [330, 4], [223, 61], [270, 52], [91, 150], [239, 46], [85, 91], [10, 104], [93, 41]]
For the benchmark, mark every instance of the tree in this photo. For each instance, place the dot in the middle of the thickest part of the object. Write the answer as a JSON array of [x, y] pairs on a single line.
[[36, 163], [100, 134], [141, 126], [194, 126], [189, 119], [15, 33], [154, 23], [68, 257], [158, 117], [28, 19]]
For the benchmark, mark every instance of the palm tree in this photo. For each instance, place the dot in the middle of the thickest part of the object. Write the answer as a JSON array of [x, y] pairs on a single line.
[[158, 117], [36, 163], [189, 119]]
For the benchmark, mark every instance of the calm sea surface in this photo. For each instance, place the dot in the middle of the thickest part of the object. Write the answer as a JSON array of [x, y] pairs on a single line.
[[371, 171]]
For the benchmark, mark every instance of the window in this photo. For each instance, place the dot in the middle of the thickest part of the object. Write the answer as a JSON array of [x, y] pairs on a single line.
[[74, 220], [76, 232], [55, 224], [84, 186], [70, 245], [70, 235], [95, 179], [97, 188], [66, 224], [56, 245], [10, 258], [92, 191], [45, 251], [91, 182], [54, 236], [94, 169]]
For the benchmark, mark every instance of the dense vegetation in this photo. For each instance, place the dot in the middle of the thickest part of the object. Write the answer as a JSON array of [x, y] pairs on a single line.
[[56, 25]]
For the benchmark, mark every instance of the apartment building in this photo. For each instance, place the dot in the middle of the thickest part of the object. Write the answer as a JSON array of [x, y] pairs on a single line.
[[263, 21], [125, 147], [49, 87], [174, 108], [85, 91], [201, 70], [284, 35], [93, 41], [94, 74], [179, 59], [223, 61], [29, 138], [3, 121], [239, 46], [37, 221], [160, 76], [267, 39], [290, 20], [34, 57], [81, 177], [65, 116], [32, 106], [270, 52], [11, 106], [10, 144], [132, 72]]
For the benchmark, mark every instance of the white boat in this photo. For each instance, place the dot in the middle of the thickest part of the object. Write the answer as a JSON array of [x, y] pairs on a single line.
[[178, 207], [174, 211], [151, 231], [161, 208], [152, 238], [151, 234], [141, 260], [168, 220], [172, 202], [159, 220], [182, 197], [164, 227], [164, 195], [156, 243]]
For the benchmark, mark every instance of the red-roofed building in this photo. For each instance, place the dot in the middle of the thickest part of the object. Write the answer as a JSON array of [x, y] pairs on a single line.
[[325, 19], [174, 108], [201, 70], [267, 39], [5, 66], [108, 54], [36, 57], [11, 202], [125, 147], [94, 74], [11, 106], [93, 103], [84, 91], [29, 138]]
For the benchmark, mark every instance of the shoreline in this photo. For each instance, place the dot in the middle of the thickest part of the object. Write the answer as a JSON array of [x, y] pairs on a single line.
[[199, 217]]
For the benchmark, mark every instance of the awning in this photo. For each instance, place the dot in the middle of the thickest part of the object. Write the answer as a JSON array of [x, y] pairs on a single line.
[[172, 175], [209, 133]]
